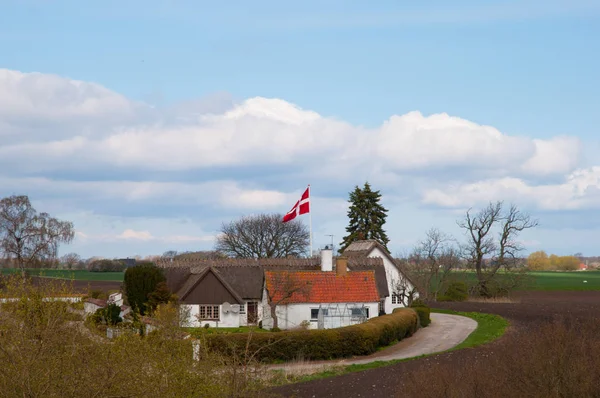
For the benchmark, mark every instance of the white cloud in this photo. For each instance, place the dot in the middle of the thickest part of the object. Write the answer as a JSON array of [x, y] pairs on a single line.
[[138, 235], [52, 97], [581, 190], [117, 132], [130, 234], [82, 151]]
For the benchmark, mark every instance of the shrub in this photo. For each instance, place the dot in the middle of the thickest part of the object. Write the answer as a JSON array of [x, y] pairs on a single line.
[[424, 313], [206, 326], [108, 315], [106, 266], [456, 291], [97, 294], [140, 281], [361, 339]]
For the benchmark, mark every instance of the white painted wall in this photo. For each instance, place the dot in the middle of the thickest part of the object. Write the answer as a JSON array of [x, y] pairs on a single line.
[[90, 308], [227, 320], [393, 276], [291, 316], [70, 299]]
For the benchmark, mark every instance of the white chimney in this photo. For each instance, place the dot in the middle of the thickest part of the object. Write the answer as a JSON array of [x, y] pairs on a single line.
[[327, 259]]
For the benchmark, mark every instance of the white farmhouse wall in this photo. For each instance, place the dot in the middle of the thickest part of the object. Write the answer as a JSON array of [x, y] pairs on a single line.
[[393, 276], [292, 315], [90, 308], [227, 320], [244, 316]]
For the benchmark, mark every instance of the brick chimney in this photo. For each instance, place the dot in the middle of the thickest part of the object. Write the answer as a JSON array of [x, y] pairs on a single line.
[[341, 266]]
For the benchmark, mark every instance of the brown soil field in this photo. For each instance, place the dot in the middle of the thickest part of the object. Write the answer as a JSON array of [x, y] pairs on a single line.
[[81, 286], [534, 308]]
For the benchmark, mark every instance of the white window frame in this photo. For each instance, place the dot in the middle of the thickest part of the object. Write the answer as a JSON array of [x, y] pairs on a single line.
[[204, 310]]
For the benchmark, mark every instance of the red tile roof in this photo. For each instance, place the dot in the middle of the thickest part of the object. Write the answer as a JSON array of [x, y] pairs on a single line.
[[322, 287]]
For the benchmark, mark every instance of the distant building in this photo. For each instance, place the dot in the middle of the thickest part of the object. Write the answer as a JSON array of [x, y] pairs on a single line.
[[129, 262]]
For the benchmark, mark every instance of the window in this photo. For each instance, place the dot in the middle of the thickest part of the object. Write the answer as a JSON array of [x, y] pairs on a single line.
[[209, 312], [396, 299], [360, 311], [314, 313], [381, 308], [243, 308]]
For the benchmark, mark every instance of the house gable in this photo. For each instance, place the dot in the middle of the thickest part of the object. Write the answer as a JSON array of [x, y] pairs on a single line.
[[208, 288]]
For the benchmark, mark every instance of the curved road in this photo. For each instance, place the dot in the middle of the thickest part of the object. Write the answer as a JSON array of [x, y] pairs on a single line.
[[445, 332]]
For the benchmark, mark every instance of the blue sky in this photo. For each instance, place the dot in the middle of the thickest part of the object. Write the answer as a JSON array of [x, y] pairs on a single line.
[[337, 73]]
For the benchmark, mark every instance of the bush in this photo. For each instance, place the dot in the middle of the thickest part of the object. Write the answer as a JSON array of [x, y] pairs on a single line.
[[140, 281], [106, 266], [424, 313], [456, 291], [108, 315], [355, 340]]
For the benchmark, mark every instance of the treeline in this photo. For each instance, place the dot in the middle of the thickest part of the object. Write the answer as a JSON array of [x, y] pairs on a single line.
[[541, 261]]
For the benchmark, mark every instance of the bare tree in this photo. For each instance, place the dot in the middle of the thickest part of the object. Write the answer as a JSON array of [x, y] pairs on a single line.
[[487, 253], [29, 236], [263, 236], [280, 287], [71, 261], [431, 262], [403, 291], [200, 255]]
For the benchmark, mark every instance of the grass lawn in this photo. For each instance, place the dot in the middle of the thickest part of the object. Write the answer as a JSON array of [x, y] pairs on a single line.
[[197, 332], [80, 275], [547, 280], [489, 328]]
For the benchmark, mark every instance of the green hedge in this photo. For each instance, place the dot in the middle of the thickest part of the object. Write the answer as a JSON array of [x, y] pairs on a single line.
[[424, 313], [355, 340]]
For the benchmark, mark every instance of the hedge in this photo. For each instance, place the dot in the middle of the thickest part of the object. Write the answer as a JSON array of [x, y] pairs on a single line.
[[354, 340], [424, 313]]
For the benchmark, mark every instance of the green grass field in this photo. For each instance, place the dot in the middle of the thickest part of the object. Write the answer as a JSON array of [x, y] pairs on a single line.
[[541, 280], [80, 275], [548, 280]]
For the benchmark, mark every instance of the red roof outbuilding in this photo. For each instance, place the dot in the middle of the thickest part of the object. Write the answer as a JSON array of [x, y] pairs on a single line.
[[322, 287]]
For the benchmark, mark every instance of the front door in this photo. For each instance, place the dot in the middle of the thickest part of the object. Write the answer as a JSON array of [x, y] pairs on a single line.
[[252, 312]]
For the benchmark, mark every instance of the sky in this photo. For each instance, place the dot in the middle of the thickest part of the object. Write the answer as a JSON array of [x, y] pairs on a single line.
[[149, 124]]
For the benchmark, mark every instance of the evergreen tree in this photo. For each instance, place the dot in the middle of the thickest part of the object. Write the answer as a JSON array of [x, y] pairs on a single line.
[[367, 217]]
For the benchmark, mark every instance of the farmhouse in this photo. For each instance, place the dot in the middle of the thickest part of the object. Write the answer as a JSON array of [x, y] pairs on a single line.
[[91, 305], [398, 283], [320, 299], [220, 293], [333, 291]]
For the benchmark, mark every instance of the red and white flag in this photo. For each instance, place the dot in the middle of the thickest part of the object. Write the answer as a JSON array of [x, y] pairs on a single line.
[[301, 207]]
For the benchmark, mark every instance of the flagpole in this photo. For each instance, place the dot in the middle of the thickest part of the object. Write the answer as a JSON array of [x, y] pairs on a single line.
[[310, 220]]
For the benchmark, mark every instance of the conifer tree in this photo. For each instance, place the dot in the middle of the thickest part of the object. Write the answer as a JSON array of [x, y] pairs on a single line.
[[367, 217]]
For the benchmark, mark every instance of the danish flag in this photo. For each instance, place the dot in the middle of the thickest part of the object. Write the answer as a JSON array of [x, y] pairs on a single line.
[[301, 207]]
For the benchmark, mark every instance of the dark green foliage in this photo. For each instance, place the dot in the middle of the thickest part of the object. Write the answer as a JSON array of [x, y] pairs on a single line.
[[108, 315], [367, 217], [140, 281], [456, 291], [423, 311], [107, 266], [361, 339], [160, 295]]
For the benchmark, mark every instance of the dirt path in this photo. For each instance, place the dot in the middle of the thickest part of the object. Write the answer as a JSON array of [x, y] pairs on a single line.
[[445, 332]]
